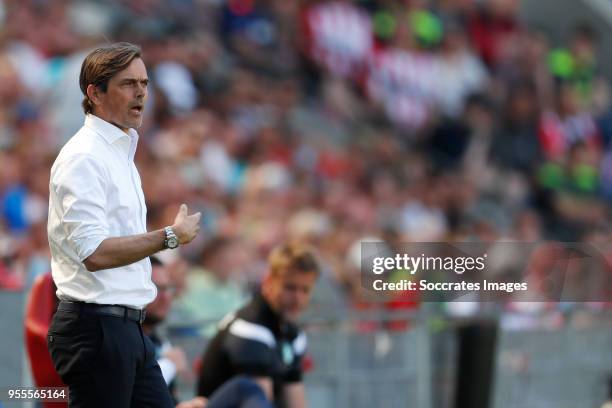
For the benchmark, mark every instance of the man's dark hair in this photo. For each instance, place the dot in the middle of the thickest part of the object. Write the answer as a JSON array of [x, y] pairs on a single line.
[[102, 64]]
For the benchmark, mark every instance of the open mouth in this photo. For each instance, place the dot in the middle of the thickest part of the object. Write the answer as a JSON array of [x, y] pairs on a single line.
[[136, 109]]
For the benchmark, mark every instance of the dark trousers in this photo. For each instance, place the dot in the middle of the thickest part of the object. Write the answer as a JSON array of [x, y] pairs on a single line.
[[239, 392], [106, 361]]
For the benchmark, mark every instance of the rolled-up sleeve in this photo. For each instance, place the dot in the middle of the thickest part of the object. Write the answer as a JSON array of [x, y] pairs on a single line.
[[80, 188]]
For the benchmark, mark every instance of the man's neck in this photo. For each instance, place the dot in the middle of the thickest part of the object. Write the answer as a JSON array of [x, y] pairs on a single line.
[[269, 304]]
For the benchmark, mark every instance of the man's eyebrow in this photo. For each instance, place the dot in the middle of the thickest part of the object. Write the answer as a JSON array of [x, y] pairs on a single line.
[[134, 80]]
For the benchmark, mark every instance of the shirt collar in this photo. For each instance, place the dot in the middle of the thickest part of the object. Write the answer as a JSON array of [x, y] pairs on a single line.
[[111, 133]]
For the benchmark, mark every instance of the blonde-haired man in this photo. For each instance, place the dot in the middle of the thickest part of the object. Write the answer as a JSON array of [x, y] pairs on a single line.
[[261, 340]]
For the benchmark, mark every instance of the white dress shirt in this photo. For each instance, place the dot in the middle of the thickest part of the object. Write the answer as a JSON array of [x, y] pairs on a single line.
[[95, 193]]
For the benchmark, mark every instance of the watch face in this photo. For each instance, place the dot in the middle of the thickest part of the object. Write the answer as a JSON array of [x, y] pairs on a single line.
[[172, 242]]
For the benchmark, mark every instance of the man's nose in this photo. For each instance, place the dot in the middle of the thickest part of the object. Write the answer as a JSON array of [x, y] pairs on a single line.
[[141, 90]]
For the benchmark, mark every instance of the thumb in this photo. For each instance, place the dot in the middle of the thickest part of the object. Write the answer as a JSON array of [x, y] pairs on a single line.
[[183, 209]]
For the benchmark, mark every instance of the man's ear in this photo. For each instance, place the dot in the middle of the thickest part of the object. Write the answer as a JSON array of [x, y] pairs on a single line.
[[93, 93]]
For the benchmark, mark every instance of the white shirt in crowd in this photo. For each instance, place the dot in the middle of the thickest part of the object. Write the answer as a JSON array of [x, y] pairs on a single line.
[[341, 37], [95, 193], [168, 368]]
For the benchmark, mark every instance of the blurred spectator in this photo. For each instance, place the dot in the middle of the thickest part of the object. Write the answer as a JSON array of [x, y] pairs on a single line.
[[461, 72], [402, 79], [172, 360], [338, 36], [451, 140], [262, 34], [578, 63], [492, 26], [526, 61], [516, 144], [567, 125], [214, 289]]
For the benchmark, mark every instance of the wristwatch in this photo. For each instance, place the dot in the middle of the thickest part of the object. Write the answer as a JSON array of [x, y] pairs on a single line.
[[171, 240]]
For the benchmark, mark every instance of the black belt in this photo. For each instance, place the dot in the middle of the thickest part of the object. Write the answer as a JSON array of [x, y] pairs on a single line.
[[130, 313]]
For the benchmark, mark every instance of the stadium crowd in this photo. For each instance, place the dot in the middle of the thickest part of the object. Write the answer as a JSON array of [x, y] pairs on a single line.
[[328, 121]]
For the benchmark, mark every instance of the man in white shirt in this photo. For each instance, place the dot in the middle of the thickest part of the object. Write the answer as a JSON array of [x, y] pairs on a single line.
[[100, 246]]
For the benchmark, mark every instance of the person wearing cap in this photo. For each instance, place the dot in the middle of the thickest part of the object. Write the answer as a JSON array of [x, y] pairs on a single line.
[[100, 245]]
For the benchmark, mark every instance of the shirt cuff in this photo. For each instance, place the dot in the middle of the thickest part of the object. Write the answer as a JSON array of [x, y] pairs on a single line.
[[168, 369], [86, 247]]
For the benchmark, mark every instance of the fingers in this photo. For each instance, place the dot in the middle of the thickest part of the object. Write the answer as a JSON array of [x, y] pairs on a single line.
[[186, 226], [182, 212], [194, 218]]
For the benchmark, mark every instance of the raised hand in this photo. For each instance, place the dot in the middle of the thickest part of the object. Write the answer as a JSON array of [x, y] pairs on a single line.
[[186, 226]]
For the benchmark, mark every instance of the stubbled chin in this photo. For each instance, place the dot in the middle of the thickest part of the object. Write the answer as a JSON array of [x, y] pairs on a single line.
[[292, 316], [135, 124]]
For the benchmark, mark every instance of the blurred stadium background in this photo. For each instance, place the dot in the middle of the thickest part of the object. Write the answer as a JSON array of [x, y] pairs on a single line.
[[337, 122]]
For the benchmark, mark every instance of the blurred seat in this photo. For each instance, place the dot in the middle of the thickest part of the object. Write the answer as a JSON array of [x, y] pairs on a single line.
[[40, 308]]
